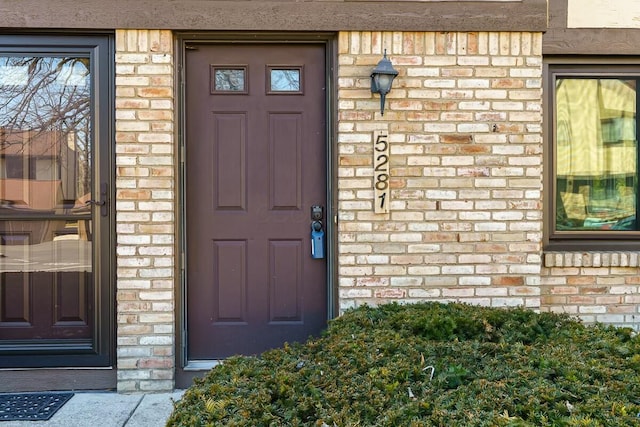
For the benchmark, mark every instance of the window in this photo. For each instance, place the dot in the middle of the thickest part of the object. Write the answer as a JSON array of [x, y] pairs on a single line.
[[229, 79], [594, 154], [284, 79]]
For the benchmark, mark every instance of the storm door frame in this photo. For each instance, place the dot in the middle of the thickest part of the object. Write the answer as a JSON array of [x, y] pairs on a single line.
[[95, 365]]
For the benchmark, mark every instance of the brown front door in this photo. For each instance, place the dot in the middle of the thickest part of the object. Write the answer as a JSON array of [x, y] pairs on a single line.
[[255, 165]]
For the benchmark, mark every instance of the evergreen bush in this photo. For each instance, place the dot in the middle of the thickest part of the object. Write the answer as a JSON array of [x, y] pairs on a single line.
[[430, 364]]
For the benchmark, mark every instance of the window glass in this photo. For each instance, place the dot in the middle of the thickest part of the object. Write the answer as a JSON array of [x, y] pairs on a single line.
[[45, 133], [285, 80], [229, 79], [596, 156], [56, 147]]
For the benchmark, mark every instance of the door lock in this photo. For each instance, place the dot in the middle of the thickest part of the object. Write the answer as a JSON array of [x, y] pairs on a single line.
[[317, 232], [317, 213]]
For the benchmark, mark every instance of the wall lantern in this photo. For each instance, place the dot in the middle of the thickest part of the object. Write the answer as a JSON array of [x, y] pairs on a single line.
[[381, 78]]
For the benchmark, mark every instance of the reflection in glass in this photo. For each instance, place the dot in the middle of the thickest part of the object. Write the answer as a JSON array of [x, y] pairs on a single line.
[[596, 154], [56, 245], [44, 134], [229, 80], [285, 80], [14, 75], [46, 279]]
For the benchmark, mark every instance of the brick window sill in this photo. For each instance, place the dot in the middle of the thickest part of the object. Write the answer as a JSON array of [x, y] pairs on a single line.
[[591, 259]]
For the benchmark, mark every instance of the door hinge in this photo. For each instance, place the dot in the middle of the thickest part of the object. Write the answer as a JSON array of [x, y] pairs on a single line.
[[183, 346]]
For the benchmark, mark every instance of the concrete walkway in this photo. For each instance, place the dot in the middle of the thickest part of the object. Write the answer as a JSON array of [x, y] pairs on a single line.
[[105, 409]]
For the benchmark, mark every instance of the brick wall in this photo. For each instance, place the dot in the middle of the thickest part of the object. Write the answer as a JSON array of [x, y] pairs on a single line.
[[145, 210], [597, 287], [464, 123]]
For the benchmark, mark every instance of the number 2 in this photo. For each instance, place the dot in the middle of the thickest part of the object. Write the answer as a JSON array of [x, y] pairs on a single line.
[[380, 167]]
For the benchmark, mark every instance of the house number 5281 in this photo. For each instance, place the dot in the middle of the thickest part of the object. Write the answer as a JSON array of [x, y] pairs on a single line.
[[381, 172]]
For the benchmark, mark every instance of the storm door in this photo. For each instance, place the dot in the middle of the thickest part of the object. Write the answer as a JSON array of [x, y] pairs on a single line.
[[54, 203]]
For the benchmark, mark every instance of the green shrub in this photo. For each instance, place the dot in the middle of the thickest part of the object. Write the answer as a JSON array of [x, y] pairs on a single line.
[[430, 364]]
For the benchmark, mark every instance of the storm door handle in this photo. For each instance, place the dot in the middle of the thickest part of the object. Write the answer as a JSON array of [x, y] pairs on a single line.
[[103, 200]]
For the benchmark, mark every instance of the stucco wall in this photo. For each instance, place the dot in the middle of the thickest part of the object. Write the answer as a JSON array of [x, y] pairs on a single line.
[[277, 15]]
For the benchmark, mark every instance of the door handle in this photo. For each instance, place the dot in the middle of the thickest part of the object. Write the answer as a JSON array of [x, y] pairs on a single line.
[[103, 200], [317, 232]]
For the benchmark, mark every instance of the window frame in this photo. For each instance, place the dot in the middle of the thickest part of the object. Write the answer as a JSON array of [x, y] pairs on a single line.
[[580, 67]]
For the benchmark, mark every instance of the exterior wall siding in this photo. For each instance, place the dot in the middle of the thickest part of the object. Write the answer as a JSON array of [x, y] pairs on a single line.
[[145, 207], [464, 124], [278, 15], [596, 287], [464, 120]]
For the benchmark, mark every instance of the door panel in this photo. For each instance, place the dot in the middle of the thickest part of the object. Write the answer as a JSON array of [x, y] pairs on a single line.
[[255, 164], [286, 285], [52, 195], [230, 282], [229, 161], [285, 148]]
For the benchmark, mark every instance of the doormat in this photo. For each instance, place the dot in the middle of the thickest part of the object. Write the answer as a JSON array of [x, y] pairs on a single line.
[[31, 406]]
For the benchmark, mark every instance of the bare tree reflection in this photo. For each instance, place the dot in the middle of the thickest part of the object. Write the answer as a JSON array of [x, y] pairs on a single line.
[[285, 80], [229, 79], [45, 108], [46, 232]]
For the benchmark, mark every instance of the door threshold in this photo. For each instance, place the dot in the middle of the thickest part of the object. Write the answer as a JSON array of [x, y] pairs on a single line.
[[59, 368], [202, 365], [42, 379]]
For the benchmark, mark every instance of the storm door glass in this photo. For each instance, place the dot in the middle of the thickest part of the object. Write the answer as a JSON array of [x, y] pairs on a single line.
[[46, 282]]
